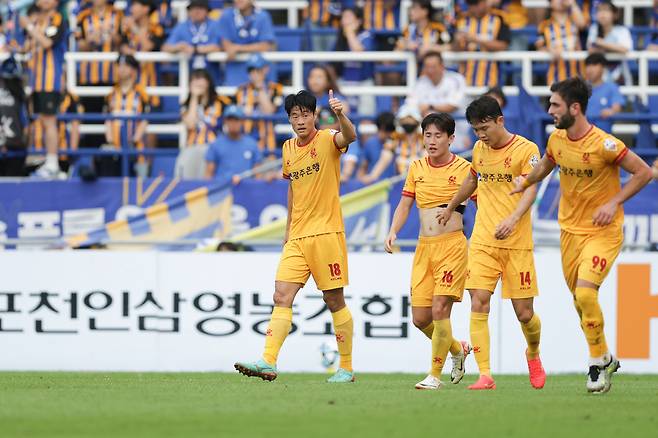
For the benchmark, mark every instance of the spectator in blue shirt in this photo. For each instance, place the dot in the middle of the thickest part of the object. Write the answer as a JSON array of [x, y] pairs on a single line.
[[196, 37], [245, 29], [606, 100], [353, 37], [233, 152], [373, 147]]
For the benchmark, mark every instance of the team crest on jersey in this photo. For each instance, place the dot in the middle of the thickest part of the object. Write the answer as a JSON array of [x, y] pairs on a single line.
[[288, 163], [508, 162], [452, 180], [534, 160], [559, 154], [481, 162], [420, 179], [609, 144], [586, 157], [314, 153]]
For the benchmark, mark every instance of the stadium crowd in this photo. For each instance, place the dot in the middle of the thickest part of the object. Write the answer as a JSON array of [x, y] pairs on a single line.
[[228, 135]]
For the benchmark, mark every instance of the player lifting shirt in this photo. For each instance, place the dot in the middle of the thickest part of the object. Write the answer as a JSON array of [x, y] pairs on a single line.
[[439, 267]]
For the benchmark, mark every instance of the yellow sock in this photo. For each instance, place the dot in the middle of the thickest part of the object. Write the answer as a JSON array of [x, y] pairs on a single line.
[[344, 328], [591, 320], [429, 330], [277, 331], [480, 341], [455, 347], [441, 340], [532, 333]]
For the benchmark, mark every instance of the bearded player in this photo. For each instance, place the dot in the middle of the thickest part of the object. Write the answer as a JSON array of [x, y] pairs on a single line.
[[314, 242], [590, 215], [501, 243], [439, 267]]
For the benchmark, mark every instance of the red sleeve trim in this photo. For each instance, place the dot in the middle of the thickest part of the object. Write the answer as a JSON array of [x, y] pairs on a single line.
[[408, 194], [473, 172], [550, 157], [524, 175], [286, 176], [474, 197], [621, 155]]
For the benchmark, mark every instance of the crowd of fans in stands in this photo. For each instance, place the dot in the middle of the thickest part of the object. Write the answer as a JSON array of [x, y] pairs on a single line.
[[222, 139]]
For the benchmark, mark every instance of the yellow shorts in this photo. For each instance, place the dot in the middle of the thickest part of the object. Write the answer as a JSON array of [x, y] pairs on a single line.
[[324, 256], [487, 264], [589, 257], [439, 268]]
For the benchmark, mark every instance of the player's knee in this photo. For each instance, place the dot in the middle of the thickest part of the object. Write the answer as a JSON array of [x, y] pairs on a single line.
[[480, 306], [525, 315], [334, 299], [282, 298], [421, 322], [441, 310], [480, 301]]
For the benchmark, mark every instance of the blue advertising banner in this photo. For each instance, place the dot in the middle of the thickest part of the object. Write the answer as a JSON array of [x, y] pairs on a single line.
[[37, 209]]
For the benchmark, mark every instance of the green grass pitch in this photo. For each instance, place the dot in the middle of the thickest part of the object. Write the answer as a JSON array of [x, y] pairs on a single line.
[[302, 405]]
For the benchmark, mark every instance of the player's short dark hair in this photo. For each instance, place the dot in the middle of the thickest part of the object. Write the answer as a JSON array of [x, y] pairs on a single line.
[[473, 2], [497, 91], [442, 121], [304, 100], [483, 109], [573, 90], [596, 59], [385, 122]]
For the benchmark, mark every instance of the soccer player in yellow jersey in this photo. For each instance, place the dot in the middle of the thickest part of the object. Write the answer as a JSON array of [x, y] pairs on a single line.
[[439, 269], [501, 243], [314, 242], [590, 214]]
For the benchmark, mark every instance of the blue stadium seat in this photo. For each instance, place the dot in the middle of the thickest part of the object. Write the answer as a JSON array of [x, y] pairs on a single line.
[[163, 166], [641, 36], [169, 104], [384, 103], [288, 40]]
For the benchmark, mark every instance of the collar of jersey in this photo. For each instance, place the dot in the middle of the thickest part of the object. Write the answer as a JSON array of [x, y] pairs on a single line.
[[309, 141]]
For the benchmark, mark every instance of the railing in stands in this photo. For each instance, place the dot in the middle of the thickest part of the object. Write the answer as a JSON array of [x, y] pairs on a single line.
[[526, 59], [296, 58]]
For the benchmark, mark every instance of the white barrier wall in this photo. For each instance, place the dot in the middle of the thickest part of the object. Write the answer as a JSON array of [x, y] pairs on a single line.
[[201, 312]]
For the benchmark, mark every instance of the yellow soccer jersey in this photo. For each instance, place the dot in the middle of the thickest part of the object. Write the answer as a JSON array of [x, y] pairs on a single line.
[[496, 170], [314, 173], [589, 177], [433, 186]]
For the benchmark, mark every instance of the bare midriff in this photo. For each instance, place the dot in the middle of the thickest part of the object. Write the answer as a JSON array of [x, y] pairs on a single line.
[[429, 225]]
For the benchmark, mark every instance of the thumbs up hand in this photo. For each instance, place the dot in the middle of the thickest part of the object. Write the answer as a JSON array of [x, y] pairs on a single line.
[[335, 104]]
